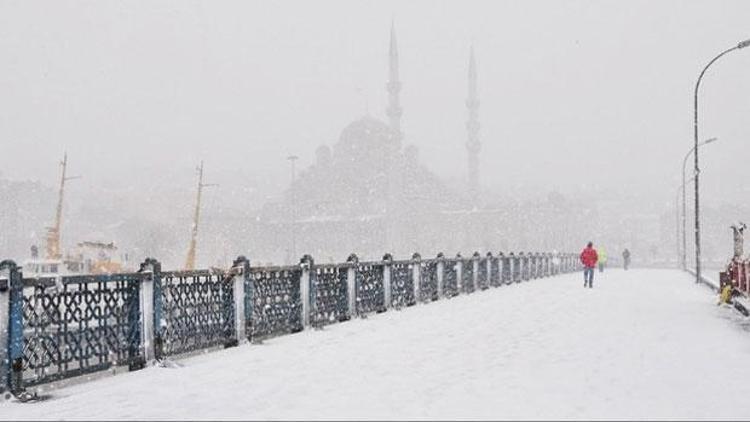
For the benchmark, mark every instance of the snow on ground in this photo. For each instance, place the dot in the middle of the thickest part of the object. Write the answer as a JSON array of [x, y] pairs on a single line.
[[641, 344]]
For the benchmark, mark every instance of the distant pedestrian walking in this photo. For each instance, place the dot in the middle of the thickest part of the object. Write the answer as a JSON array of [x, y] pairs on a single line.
[[626, 258], [588, 259], [602, 255]]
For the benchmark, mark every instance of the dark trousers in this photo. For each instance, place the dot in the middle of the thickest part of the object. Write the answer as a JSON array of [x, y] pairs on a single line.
[[588, 277]]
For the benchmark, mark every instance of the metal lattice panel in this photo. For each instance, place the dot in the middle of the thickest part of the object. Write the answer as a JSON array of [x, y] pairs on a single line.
[[277, 304], [467, 276], [197, 311], [524, 267], [329, 295], [506, 270], [516, 268], [79, 325], [370, 289], [495, 274], [483, 280], [402, 284], [450, 278], [428, 283]]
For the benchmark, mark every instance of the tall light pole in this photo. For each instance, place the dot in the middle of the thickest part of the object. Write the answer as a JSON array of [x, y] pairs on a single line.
[[681, 253], [684, 202], [292, 159], [741, 45]]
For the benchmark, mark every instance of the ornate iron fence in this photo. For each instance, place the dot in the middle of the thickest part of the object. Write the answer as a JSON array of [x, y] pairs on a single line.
[[506, 270], [369, 285], [77, 325], [329, 294], [402, 283], [428, 280], [467, 275], [450, 277], [197, 310], [68, 326], [277, 301]]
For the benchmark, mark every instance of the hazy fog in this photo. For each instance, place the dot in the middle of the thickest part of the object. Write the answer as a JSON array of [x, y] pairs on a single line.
[[581, 97]]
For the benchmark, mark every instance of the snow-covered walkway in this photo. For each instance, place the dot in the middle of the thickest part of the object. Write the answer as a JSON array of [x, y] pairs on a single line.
[[641, 344]]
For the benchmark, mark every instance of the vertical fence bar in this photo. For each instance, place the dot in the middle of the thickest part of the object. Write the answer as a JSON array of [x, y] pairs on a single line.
[[491, 281], [387, 271], [440, 268], [351, 284], [241, 268], [459, 273], [416, 274], [305, 291], [150, 315], [5, 282], [475, 271], [11, 327]]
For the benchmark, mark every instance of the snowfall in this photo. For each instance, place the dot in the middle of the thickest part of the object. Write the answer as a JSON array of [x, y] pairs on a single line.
[[642, 344]]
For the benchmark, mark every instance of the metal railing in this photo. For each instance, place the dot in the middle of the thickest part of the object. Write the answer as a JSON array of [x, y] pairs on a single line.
[[63, 327]]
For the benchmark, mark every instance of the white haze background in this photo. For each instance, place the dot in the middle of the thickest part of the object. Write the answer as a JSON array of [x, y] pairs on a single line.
[[591, 99]]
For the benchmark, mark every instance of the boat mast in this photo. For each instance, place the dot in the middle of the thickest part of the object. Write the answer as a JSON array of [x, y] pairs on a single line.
[[53, 233], [190, 261]]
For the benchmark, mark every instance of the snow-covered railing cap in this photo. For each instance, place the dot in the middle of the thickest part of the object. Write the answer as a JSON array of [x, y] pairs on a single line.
[[6, 267], [149, 265], [306, 262]]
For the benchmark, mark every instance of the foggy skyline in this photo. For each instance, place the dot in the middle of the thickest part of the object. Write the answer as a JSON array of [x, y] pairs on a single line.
[[581, 97]]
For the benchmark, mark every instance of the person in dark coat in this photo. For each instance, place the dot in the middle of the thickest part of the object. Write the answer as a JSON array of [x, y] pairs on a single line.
[[626, 258]]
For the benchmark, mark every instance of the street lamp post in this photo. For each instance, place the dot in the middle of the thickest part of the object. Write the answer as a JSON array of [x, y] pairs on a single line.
[[741, 45], [292, 159], [684, 205]]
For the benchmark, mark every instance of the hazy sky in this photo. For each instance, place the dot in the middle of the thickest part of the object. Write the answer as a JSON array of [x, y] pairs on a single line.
[[573, 93]]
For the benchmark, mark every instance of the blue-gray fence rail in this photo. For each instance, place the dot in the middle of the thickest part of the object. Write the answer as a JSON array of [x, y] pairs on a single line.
[[62, 327]]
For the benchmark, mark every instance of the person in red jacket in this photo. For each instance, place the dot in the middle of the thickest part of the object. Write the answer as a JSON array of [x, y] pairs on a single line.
[[588, 259]]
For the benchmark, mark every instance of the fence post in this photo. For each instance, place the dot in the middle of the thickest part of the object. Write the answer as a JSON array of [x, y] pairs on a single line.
[[416, 273], [5, 328], [351, 284], [440, 267], [488, 281], [241, 268], [151, 312], [11, 323], [387, 270], [305, 289], [459, 273], [475, 270]]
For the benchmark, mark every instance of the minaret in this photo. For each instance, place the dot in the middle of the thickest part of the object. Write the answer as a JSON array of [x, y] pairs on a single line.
[[394, 87], [472, 128]]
